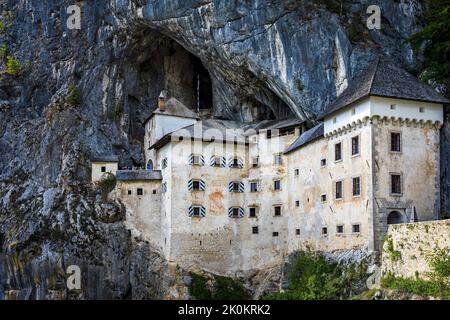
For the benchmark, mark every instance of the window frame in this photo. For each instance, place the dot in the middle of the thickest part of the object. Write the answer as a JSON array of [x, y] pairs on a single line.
[[279, 183], [321, 162], [391, 132], [255, 228], [275, 210], [353, 187], [335, 190], [257, 186], [337, 229], [322, 199], [139, 191], [278, 159], [340, 152], [322, 233], [391, 193], [353, 228], [358, 137], [250, 212], [103, 169]]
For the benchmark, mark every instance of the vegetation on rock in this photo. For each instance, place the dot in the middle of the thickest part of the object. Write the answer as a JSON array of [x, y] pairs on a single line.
[[435, 38], [217, 288], [74, 96], [312, 277]]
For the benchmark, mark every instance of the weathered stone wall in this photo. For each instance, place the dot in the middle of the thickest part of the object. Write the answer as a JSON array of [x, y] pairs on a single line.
[[407, 247], [315, 180]]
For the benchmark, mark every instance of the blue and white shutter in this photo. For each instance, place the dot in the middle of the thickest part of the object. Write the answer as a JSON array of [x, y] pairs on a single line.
[[223, 162], [164, 163], [230, 186], [239, 160], [202, 211], [212, 161], [201, 183], [191, 159], [241, 187], [202, 160], [241, 212], [164, 187]]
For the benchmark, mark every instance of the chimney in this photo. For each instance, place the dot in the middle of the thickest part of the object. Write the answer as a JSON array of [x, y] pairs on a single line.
[[162, 101]]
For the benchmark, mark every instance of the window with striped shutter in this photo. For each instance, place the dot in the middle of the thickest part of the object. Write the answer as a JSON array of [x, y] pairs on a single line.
[[235, 186], [196, 160], [197, 211], [164, 163], [218, 162], [236, 212], [196, 185], [164, 187], [235, 162]]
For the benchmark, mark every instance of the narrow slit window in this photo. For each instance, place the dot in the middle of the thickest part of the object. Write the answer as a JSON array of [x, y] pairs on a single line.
[[356, 186], [338, 191], [355, 146], [338, 151]]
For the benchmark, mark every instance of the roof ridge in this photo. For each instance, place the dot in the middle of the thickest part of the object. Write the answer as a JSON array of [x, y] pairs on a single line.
[[377, 61]]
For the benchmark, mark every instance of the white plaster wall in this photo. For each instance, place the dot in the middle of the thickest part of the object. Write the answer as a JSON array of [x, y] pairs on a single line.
[[315, 180], [381, 106], [96, 174], [160, 125], [143, 213]]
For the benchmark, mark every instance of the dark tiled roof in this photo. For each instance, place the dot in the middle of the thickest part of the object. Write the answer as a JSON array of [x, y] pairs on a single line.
[[274, 124], [382, 77], [173, 107], [105, 158], [306, 137], [130, 175]]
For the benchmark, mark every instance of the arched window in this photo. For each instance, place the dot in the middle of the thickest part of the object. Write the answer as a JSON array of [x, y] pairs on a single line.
[[395, 217], [150, 165]]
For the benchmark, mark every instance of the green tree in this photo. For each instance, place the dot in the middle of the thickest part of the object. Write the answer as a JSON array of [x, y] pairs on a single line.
[[13, 66], [435, 39], [74, 96]]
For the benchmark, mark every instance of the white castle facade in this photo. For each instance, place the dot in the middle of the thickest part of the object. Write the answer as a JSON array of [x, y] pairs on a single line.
[[225, 196]]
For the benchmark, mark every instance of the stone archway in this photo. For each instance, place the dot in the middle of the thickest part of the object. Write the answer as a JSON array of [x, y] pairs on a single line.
[[395, 217]]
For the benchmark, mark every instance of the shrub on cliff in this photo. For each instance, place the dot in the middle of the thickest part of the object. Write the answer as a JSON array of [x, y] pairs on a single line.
[[74, 96]]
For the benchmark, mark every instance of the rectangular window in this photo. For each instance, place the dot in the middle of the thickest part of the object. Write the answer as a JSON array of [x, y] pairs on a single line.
[[236, 186], [235, 163], [268, 134], [277, 211], [338, 191], [393, 107], [323, 162], [235, 213], [255, 162], [324, 231], [421, 109], [197, 212], [396, 142], [297, 203], [356, 186], [196, 185], [196, 160], [140, 192], [340, 229], [252, 212], [129, 192], [255, 230], [396, 184], [297, 172], [278, 159], [356, 228], [217, 161], [355, 146], [323, 198], [253, 186], [275, 234], [297, 232], [103, 169], [277, 184], [338, 151]]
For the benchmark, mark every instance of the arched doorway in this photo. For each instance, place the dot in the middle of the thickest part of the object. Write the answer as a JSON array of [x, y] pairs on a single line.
[[395, 217], [150, 165]]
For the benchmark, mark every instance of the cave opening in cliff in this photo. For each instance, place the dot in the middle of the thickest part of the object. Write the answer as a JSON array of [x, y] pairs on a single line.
[[202, 85]]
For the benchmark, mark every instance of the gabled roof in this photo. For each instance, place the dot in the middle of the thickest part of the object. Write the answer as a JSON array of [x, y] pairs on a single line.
[[105, 158], [306, 137], [382, 77], [139, 175], [173, 107], [208, 129]]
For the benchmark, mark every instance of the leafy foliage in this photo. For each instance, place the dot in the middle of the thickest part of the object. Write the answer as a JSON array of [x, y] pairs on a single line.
[[416, 286], [435, 37], [74, 96], [218, 288], [13, 66], [312, 277]]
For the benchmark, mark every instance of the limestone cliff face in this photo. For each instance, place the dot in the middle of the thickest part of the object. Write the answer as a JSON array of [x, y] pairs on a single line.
[[246, 60]]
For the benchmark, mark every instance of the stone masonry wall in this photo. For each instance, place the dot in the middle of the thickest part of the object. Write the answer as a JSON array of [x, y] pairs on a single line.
[[407, 247]]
